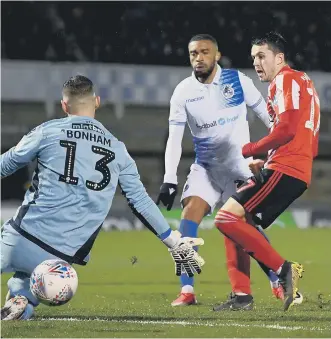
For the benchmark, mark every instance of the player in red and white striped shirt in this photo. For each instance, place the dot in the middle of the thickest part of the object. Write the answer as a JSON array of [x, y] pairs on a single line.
[[294, 107], [292, 143]]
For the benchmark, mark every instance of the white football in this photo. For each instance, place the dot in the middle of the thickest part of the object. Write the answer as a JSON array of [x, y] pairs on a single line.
[[54, 282]]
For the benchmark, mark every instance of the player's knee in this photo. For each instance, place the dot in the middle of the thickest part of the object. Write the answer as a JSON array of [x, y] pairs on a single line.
[[232, 206], [230, 212], [221, 220], [195, 209]]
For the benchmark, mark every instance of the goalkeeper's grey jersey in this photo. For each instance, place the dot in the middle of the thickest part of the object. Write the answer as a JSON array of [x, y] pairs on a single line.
[[79, 164]]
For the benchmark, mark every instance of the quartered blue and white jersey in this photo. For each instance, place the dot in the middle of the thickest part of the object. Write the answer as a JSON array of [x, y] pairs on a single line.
[[216, 114]]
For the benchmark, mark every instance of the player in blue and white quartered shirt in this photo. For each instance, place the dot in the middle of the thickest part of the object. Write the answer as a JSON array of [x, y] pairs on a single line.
[[213, 102], [79, 165]]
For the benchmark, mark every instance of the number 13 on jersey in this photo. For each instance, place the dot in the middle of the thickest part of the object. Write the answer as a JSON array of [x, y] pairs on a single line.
[[101, 166]]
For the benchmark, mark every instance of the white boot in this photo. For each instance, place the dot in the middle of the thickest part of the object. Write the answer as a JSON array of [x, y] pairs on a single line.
[[14, 308]]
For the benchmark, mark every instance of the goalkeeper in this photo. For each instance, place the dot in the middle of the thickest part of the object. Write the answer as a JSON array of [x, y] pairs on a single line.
[[79, 164]]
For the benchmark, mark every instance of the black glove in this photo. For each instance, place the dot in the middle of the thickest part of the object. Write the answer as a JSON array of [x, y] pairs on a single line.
[[167, 195]]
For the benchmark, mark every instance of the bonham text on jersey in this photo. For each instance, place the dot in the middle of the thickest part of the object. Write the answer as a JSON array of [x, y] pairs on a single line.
[[87, 135]]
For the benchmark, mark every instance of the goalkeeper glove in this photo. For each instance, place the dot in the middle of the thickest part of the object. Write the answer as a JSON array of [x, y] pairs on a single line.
[[167, 195], [186, 259]]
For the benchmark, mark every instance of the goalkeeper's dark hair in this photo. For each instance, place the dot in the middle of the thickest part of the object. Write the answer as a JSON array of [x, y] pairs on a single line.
[[275, 42], [200, 37], [78, 86]]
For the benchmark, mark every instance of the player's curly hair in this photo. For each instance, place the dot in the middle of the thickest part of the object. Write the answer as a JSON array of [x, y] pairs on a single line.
[[274, 40], [204, 36], [78, 86]]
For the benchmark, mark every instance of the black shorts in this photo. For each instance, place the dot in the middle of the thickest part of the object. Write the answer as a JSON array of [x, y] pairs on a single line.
[[269, 194]]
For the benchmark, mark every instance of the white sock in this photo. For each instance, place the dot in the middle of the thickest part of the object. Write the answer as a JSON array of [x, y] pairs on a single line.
[[187, 289], [274, 284]]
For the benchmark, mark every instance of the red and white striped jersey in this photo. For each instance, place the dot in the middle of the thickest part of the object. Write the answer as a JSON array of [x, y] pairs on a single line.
[[293, 90]]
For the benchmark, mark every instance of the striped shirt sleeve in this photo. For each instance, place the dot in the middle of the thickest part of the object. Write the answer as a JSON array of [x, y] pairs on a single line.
[[287, 95]]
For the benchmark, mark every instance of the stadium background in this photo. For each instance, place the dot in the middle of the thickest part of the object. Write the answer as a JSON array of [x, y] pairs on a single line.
[[136, 53]]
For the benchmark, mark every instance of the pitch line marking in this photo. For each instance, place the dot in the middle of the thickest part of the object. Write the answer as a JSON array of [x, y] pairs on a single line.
[[188, 323]]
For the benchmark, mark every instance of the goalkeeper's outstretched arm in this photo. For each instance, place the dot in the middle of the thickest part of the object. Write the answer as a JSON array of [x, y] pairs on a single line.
[[149, 214], [139, 201]]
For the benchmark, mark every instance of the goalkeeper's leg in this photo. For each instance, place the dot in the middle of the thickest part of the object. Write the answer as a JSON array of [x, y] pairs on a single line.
[[21, 256], [19, 290], [20, 302]]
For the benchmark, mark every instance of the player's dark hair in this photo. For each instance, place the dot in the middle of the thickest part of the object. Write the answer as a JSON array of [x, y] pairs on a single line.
[[78, 85], [200, 37], [275, 42]]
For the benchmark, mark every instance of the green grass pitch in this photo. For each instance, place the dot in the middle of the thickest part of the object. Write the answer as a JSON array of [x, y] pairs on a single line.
[[116, 298]]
